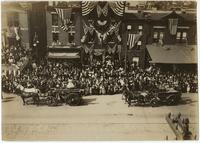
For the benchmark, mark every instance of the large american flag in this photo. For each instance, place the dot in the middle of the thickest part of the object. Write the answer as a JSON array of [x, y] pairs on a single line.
[[64, 15], [132, 40]]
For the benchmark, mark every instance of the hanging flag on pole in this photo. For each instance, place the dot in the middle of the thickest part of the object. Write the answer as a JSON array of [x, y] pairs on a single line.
[[65, 16], [132, 40], [173, 24]]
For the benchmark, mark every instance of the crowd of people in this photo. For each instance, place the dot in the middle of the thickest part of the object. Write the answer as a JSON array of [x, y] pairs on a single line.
[[100, 78], [13, 54]]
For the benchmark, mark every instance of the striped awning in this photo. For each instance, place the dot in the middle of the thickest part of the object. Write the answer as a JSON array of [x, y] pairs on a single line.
[[64, 55], [173, 54]]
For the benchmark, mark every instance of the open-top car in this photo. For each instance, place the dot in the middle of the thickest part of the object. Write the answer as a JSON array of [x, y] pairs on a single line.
[[153, 97]]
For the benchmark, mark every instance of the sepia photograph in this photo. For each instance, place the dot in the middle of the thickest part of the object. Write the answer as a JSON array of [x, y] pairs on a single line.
[[99, 70]]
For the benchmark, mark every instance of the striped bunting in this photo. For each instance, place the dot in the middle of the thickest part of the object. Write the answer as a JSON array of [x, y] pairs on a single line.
[[117, 7], [132, 40], [64, 15], [87, 7]]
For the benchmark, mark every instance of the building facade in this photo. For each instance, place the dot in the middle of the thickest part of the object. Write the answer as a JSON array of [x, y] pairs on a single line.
[[97, 30], [165, 25]]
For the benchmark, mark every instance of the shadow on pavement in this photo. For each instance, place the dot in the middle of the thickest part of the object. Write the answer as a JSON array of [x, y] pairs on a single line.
[[88, 101], [8, 99], [186, 100]]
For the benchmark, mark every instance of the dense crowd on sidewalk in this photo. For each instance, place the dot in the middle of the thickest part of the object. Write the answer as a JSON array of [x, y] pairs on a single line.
[[100, 78], [13, 54]]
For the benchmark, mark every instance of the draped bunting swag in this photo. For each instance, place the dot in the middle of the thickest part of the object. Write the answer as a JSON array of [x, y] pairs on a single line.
[[112, 49], [87, 7], [117, 8]]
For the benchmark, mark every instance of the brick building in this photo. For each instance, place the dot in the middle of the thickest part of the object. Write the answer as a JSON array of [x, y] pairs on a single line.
[[149, 21], [154, 27]]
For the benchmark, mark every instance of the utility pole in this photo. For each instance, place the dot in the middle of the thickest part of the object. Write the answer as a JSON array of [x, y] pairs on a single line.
[[127, 44]]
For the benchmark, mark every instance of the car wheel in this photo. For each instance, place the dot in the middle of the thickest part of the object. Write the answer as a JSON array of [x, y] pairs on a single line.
[[154, 102], [171, 100]]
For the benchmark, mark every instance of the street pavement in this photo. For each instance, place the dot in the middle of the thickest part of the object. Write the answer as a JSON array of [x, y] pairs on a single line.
[[100, 118]]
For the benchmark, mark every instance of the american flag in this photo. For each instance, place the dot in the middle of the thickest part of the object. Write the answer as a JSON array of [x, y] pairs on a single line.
[[132, 40], [64, 15], [173, 23]]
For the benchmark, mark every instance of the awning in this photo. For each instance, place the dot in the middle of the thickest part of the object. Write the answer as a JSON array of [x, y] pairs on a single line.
[[64, 55], [173, 54]]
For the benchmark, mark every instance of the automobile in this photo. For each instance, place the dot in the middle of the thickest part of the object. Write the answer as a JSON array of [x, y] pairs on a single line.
[[72, 96], [168, 96], [153, 97]]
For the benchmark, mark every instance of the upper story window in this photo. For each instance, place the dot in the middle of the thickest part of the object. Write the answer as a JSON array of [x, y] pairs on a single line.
[[55, 37], [181, 36], [129, 27], [158, 35], [140, 29], [184, 35], [71, 34], [54, 19], [139, 44]]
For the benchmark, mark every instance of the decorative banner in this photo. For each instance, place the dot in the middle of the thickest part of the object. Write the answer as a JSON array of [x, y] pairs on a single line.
[[101, 37], [87, 7], [64, 15], [173, 24], [114, 28], [88, 49], [87, 28], [117, 7], [103, 10], [98, 52], [112, 49]]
